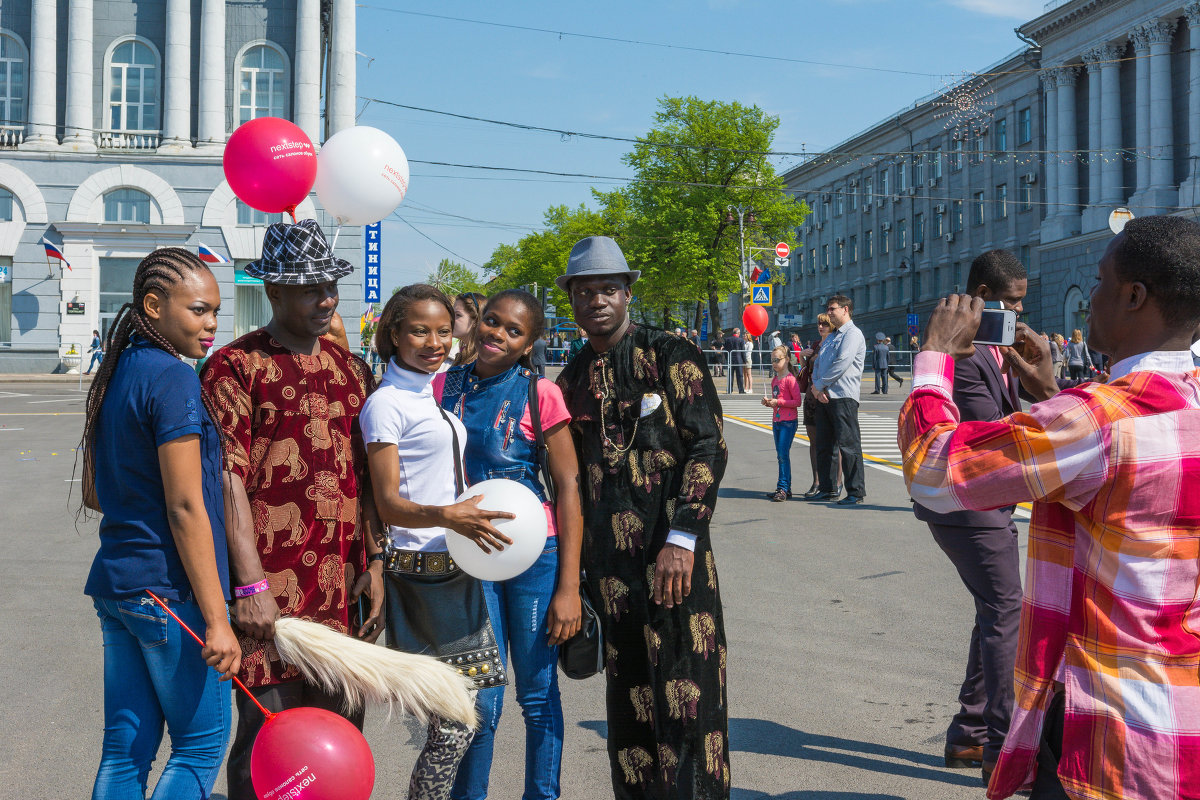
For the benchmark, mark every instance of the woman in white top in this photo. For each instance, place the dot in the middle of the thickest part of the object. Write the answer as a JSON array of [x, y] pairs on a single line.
[[748, 365], [411, 450]]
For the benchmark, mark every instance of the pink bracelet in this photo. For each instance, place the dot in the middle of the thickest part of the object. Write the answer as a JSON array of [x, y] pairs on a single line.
[[254, 588]]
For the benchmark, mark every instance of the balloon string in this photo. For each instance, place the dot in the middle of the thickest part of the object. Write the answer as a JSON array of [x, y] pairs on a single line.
[[335, 235], [268, 714], [291, 210]]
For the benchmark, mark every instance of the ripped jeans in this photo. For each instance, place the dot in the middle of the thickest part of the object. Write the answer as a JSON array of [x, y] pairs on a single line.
[[518, 610]]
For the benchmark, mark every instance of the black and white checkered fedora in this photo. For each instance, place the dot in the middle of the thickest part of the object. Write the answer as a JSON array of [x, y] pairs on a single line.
[[297, 255]]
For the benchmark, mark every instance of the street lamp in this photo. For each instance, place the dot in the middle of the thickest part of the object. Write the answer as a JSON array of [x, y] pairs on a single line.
[[745, 214]]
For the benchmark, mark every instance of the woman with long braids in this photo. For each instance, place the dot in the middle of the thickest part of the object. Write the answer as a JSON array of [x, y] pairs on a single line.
[[152, 468]]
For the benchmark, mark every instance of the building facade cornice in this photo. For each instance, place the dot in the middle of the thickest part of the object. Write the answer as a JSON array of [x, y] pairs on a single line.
[[1067, 16]]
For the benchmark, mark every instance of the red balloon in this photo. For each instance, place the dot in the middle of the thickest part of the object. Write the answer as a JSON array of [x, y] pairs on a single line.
[[754, 320], [311, 754], [270, 164]]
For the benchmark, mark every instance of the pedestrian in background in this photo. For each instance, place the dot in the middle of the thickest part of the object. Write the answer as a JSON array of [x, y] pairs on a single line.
[[736, 349], [750, 346], [1079, 360], [466, 317], [694, 338], [716, 358], [785, 398], [809, 407], [837, 384], [577, 344], [891, 370], [796, 347], [880, 353], [537, 356], [1056, 353], [97, 351], [152, 467]]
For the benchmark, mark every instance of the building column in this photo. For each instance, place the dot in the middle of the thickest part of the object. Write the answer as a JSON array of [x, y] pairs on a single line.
[[1066, 159], [41, 130], [1162, 133], [177, 76], [339, 108], [1050, 88], [307, 112], [1189, 191], [1093, 61], [1141, 53], [80, 121], [1112, 189], [211, 128]]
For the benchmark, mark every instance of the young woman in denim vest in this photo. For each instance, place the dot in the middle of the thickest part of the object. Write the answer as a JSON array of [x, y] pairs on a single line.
[[538, 610]]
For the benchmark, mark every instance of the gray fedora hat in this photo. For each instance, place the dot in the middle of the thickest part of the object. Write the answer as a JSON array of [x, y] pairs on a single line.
[[595, 256]]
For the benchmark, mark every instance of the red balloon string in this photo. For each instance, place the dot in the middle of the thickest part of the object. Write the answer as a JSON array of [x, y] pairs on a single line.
[[268, 714], [292, 210]]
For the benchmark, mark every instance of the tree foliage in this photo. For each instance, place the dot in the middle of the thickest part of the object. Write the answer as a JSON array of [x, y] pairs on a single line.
[[454, 278], [672, 221]]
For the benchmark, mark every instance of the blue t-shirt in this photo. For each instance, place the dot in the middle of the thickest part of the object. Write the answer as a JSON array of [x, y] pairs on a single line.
[[153, 398]]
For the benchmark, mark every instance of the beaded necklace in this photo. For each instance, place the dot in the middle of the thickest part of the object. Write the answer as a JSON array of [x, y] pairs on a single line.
[[603, 397]]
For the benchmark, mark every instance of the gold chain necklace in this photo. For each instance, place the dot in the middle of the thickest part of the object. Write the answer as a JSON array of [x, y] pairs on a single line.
[[602, 396]]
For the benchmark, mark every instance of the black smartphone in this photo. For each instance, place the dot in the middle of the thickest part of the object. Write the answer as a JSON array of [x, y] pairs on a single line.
[[997, 326], [362, 612]]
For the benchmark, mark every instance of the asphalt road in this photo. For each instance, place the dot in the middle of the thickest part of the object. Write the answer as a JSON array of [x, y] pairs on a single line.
[[847, 634]]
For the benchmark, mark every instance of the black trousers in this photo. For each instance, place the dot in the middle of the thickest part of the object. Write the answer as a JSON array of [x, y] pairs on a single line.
[[1046, 785], [836, 426], [988, 563], [737, 374], [276, 697]]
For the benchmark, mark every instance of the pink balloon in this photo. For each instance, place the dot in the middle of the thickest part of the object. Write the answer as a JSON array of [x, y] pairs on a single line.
[[311, 754], [270, 164], [754, 319]]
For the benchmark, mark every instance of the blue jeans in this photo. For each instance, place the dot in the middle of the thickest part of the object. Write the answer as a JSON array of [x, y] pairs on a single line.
[[97, 357], [153, 673], [518, 610], [785, 432]]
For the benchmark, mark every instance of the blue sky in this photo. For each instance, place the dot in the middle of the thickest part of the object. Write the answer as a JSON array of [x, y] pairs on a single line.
[[612, 88]]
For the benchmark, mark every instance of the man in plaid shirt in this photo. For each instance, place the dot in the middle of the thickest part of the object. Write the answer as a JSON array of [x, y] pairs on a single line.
[[1107, 678]]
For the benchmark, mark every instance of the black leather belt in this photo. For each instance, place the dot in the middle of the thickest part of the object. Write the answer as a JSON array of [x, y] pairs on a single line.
[[419, 562]]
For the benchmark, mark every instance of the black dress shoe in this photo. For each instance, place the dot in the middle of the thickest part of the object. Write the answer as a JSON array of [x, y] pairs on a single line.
[[850, 500], [964, 756], [810, 494], [819, 497]]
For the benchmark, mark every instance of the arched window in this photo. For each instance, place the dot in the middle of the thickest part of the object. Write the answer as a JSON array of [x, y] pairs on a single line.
[[262, 83], [127, 205], [13, 82], [133, 87], [6, 205]]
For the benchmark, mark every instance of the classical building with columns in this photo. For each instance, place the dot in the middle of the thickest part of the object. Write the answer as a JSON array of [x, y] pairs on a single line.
[[1098, 110], [113, 120], [1122, 92]]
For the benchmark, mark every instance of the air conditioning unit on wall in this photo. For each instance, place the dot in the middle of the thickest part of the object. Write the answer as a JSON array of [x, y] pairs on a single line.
[[1030, 177], [918, 247], [949, 237]]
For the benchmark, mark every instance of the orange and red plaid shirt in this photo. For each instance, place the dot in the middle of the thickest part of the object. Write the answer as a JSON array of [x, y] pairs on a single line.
[[1111, 607]]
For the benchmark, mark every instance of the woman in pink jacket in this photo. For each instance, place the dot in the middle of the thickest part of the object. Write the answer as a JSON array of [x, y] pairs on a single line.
[[785, 398]]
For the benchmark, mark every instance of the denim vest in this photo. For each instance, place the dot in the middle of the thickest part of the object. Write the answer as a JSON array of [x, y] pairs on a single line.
[[491, 409]]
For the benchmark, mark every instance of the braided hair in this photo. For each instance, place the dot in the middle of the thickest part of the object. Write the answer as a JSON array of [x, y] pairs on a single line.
[[158, 272]]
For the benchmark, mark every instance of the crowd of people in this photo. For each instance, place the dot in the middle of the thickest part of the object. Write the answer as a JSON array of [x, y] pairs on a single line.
[[283, 479]]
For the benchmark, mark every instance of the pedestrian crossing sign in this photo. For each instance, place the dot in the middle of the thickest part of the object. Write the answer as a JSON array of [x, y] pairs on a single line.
[[760, 294]]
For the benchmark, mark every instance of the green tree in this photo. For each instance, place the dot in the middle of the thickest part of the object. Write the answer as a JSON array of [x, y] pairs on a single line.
[[454, 278], [701, 157]]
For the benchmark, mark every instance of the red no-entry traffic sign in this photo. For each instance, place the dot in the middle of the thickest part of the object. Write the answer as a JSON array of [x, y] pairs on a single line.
[[782, 249]]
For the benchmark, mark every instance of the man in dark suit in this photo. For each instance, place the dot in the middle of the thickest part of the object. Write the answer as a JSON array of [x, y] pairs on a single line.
[[982, 545], [537, 358], [736, 349]]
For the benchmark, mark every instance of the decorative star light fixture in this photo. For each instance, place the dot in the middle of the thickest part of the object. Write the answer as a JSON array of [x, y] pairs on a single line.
[[966, 106]]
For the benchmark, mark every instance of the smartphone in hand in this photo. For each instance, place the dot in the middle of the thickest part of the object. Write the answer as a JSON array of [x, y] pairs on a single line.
[[997, 326]]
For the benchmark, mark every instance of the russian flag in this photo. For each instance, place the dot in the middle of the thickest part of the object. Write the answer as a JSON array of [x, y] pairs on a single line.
[[210, 256], [52, 251], [760, 274]]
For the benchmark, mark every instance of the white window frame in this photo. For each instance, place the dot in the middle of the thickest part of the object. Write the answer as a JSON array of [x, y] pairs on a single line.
[[285, 77], [149, 206], [9, 117], [108, 87]]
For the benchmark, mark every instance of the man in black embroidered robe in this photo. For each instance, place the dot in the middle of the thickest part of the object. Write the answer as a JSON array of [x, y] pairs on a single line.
[[647, 422]]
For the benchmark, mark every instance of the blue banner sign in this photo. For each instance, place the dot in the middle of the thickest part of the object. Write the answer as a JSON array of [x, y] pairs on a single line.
[[372, 242]]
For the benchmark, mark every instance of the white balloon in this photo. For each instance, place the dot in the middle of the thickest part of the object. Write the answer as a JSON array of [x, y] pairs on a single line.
[[362, 175], [527, 530]]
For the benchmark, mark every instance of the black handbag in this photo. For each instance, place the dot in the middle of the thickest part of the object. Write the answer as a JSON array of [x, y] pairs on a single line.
[[436, 609], [581, 656]]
